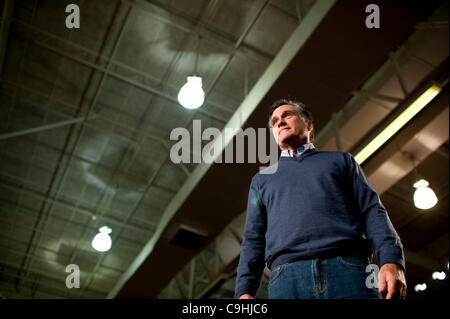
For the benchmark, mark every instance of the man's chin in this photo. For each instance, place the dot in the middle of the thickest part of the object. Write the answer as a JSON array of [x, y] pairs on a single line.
[[291, 141], [286, 139]]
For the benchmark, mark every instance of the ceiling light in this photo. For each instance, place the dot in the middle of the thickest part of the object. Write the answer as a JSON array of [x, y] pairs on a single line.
[[398, 123], [439, 275], [420, 287], [191, 95], [102, 241], [424, 197]]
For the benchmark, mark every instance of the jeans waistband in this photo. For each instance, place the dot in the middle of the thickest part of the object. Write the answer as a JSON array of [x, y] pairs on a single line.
[[323, 255]]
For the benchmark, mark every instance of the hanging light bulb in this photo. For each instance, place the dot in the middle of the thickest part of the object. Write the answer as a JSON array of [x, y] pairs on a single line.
[[191, 95], [102, 241], [420, 287], [438, 275], [424, 197]]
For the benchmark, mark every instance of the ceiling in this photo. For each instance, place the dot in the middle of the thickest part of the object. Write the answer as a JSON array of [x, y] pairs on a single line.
[[86, 117]]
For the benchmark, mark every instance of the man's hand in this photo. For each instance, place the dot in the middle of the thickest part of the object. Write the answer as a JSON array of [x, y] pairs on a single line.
[[246, 296], [392, 276]]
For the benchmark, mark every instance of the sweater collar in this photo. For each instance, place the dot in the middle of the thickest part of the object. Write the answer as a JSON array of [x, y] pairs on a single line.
[[300, 150]]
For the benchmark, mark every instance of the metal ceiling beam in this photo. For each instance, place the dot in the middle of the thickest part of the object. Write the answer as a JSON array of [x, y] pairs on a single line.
[[355, 104], [180, 285], [81, 131], [443, 151], [378, 96], [80, 210], [236, 46], [165, 76], [181, 165], [230, 264], [130, 177], [124, 79], [149, 184], [46, 260], [210, 274], [398, 72], [389, 165], [48, 277], [8, 7], [27, 171], [218, 276], [298, 10], [337, 134], [424, 25], [132, 72], [51, 234], [91, 125], [45, 127], [214, 36], [260, 89], [369, 90]]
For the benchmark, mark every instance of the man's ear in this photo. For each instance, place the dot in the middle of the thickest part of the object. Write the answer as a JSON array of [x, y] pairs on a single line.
[[310, 125]]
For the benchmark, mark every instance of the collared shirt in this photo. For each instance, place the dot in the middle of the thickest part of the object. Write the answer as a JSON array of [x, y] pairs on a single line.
[[300, 150]]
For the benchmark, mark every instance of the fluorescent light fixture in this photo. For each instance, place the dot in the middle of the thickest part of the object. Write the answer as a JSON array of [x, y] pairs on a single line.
[[398, 123]]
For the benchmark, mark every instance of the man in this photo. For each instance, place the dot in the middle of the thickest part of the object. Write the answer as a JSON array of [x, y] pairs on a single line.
[[313, 222]]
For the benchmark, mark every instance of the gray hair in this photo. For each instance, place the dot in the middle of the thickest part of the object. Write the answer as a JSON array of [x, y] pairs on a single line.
[[300, 108]]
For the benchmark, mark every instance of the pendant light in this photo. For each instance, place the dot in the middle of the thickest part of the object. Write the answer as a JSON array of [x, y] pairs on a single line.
[[424, 197], [438, 275], [191, 95], [420, 287], [102, 241]]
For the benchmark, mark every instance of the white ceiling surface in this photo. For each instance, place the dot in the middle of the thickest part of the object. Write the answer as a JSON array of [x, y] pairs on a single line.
[[58, 186]]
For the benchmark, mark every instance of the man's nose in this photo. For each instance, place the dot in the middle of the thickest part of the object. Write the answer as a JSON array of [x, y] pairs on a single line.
[[281, 123]]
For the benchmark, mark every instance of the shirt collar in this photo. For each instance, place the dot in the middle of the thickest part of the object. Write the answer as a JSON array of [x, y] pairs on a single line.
[[300, 150]]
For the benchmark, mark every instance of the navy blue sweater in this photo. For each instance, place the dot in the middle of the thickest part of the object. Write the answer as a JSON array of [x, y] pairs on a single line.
[[317, 204]]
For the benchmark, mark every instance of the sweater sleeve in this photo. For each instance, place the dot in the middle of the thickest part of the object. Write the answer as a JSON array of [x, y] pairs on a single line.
[[251, 261], [378, 227]]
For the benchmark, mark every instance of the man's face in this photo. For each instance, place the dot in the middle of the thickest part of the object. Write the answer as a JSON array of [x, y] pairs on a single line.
[[290, 129]]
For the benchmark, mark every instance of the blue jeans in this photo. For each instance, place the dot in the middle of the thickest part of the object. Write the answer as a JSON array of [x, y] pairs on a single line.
[[322, 278]]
